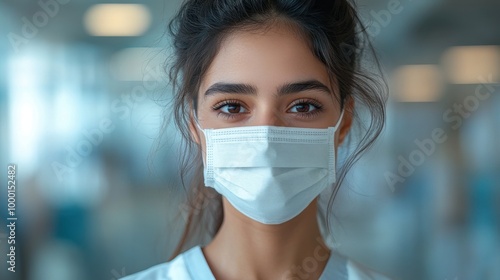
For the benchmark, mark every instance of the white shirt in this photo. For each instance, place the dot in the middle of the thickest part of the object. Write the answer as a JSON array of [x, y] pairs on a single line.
[[192, 265]]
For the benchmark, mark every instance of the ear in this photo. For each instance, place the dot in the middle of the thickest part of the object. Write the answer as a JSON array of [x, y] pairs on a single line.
[[346, 124], [193, 131]]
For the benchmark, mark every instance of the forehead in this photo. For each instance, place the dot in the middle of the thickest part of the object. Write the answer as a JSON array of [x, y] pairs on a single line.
[[265, 57]]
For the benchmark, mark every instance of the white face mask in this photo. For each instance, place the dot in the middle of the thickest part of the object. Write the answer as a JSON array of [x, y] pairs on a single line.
[[270, 173]]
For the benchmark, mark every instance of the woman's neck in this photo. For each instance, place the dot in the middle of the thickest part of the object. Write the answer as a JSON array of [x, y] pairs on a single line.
[[244, 247]]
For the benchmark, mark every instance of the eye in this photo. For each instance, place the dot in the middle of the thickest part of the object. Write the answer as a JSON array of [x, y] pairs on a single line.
[[305, 107], [230, 108]]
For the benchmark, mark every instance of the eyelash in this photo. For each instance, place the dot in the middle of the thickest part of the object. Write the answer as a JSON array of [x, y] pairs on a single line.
[[311, 114], [313, 102], [223, 103]]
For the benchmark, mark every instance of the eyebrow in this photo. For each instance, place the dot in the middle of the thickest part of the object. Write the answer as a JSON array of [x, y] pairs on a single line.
[[230, 88], [288, 88], [291, 88]]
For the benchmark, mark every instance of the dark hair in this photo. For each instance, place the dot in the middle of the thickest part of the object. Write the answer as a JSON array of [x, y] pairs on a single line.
[[337, 38]]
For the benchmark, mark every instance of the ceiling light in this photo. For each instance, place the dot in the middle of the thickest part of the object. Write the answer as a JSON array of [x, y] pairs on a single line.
[[117, 20], [417, 83], [472, 64]]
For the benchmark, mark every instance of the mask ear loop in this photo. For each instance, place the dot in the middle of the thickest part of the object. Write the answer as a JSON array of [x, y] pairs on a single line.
[[332, 177], [340, 120], [208, 173]]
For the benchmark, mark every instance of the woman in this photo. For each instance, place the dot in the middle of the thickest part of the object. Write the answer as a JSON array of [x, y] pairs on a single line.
[[266, 91]]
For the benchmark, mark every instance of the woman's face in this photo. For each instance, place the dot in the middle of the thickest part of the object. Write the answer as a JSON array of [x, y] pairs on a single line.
[[268, 77]]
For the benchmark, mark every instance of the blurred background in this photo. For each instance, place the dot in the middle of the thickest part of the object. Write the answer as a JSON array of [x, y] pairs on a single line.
[[79, 85]]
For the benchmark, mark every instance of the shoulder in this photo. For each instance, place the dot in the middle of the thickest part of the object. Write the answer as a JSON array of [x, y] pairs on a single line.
[[175, 269], [357, 271]]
